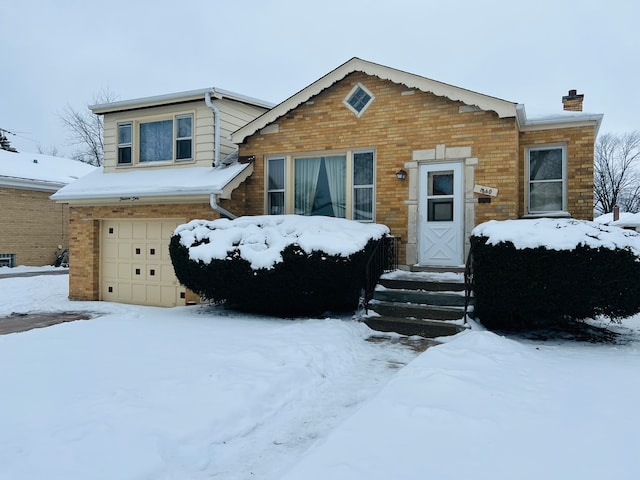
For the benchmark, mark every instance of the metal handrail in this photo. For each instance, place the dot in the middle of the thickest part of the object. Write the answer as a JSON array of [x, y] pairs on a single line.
[[468, 283], [384, 258]]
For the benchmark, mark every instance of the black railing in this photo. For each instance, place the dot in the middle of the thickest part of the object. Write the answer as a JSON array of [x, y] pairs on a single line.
[[384, 258], [468, 284]]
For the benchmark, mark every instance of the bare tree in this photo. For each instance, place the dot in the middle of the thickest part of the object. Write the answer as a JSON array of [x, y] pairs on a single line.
[[616, 175], [53, 151], [86, 130]]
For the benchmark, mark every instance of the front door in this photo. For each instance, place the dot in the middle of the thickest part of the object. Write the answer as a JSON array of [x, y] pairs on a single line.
[[440, 209]]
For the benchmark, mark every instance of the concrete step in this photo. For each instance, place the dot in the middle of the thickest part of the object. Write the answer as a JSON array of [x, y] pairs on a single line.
[[416, 310], [430, 281], [441, 298], [413, 326]]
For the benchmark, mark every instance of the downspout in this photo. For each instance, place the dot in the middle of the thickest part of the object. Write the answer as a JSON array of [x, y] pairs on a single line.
[[216, 126], [213, 198]]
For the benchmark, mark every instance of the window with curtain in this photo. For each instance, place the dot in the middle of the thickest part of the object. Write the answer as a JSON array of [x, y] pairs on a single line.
[[276, 186], [156, 141], [338, 185], [546, 179]]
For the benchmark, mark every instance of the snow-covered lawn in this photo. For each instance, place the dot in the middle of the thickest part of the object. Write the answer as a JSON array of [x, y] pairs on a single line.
[[195, 393]]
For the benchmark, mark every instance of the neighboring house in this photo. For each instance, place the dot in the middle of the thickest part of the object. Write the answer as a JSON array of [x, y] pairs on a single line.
[[364, 142], [33, 226], [429, 160], [630, 221], [167, 160]]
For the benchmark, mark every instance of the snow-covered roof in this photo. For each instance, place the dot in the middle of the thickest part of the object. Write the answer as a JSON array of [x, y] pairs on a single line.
[[155, 182], [626, 219], [562, 119], [39, 172], [503, 108]]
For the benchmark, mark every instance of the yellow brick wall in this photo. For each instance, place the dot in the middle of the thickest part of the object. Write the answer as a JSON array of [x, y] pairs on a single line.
[[32, 226], [395, 124], [580, 144], [84, 239]]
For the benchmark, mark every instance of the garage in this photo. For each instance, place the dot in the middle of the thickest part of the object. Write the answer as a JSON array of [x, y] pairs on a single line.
[[135, 263]]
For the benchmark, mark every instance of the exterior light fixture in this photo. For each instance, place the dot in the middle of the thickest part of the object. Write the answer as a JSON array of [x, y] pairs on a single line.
[[401, 174]]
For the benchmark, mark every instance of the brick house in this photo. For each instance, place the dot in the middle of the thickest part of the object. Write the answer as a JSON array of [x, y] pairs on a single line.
[[365, 142], [429, 160], [34, 227]]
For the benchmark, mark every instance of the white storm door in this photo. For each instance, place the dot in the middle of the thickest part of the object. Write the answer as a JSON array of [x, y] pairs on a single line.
[[440, 219]]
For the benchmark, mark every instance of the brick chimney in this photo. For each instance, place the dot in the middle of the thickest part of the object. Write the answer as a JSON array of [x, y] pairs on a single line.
[[573, 102]]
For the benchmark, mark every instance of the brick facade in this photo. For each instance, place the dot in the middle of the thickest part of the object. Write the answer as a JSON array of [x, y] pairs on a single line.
[[401, 122], [33, 226]]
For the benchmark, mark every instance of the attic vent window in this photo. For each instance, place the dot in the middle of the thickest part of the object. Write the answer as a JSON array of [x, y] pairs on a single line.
[[359, 99]]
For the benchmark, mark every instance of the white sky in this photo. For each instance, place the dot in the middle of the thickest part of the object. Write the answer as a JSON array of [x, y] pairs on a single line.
[[64, 52]]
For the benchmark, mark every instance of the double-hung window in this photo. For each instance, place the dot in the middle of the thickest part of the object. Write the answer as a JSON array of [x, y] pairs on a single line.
[[162, 140], [546, 180], [125, 138], [337, 184]]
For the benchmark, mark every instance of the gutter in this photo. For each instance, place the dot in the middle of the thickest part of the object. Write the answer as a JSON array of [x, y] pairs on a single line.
[[216, 125]]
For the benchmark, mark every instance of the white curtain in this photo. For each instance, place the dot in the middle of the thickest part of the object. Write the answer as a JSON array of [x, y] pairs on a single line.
[[336, 175], [306, 182]]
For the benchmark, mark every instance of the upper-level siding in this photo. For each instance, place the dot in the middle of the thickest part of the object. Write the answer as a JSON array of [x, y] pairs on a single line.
[[233, 115]]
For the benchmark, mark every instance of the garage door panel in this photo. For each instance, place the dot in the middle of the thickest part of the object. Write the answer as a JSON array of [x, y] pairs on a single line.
[[136, 266]]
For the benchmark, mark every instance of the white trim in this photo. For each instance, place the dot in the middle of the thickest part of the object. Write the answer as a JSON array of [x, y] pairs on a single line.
[[356, 87], [545, 213], [502, 107], [166, 99]]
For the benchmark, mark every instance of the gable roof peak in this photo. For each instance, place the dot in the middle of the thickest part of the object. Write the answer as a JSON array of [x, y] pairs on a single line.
[[502, 107]]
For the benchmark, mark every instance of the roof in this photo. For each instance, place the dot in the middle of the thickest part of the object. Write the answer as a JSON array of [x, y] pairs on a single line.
[[35, 171], [134, 184], [179, 97], [502, 108]]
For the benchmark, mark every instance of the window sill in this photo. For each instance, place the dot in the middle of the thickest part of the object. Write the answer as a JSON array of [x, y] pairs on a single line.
[[548, 215]]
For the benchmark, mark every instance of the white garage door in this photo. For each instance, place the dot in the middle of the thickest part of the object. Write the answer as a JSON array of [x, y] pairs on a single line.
[[136, 267]]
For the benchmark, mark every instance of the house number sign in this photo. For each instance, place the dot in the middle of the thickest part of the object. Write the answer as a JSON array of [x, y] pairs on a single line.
[[491, 191]]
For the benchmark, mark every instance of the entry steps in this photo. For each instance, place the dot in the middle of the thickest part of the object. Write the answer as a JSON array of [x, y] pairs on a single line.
[[429, 303]]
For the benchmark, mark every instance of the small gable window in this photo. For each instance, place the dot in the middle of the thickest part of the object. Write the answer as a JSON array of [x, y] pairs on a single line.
[[359, 99]]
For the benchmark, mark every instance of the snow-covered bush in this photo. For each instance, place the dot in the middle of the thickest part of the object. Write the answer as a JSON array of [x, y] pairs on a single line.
[[278, 264], [529, 273]]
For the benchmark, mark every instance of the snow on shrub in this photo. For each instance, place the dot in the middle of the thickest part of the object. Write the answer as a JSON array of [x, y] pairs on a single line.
[[533, 272], [280, 264]]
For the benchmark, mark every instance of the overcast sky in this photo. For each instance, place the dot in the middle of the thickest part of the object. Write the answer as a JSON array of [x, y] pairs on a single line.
[[65, 52]]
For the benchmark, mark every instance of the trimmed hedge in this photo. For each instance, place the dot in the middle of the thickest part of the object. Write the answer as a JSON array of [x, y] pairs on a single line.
[[302, 284], [533, 287]]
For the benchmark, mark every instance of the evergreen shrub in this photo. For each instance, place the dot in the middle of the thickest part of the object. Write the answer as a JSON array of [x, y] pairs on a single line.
[[534, 287], [302, 284]]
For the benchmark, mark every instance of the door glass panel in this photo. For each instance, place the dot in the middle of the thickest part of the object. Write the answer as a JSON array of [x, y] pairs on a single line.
[[440, 183], [440, 210]]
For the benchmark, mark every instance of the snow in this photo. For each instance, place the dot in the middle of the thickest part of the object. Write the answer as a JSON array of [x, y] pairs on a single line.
[[201, 392], [557, 234], [41, 168], [4, 271], [261, 239], [145, 181]]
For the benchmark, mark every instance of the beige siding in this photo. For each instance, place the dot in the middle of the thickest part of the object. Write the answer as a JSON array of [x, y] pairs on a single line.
[[233, 116]]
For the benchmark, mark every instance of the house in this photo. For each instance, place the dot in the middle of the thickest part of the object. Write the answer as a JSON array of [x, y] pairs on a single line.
[[364, 142], [429, 160], [167, 160], [34, 227]]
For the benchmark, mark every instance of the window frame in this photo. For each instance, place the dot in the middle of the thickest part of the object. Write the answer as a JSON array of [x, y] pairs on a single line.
[[124, 145], [350, 187], [7, 260], [528, 181], [352, 92], [134, 145]]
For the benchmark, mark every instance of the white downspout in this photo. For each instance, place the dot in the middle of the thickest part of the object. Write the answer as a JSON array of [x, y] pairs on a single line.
[[216, 126], [213, 198]]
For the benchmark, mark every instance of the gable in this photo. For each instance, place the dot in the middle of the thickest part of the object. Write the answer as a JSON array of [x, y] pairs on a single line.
[[502, 108]]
